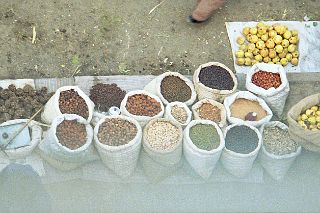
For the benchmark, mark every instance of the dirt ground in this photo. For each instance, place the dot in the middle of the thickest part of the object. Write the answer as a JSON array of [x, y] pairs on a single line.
[[104, 37]]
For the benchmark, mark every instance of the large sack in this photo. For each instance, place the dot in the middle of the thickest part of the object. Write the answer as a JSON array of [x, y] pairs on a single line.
[[202, 161], [169, 115], [274, 97], [206, 92], [120, 159], [310, 140], [51, 109], [276, 165]]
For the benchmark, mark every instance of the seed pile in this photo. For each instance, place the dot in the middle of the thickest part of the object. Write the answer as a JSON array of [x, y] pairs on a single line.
[[241, 139], [241, 107], [174, 88], [204, 136], [116, 132], [277, 141], [209, 112], [23, 102], [71, 134], [216, 77], [179, 113], [162, 135], [266, 79], [143, 105], [105, 96], [70, 102]]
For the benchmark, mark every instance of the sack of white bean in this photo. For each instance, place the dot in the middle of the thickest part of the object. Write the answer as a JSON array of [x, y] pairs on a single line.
[[179, 112]]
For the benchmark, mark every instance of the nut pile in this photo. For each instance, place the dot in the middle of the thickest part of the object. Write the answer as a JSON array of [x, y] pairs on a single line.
[[274, 44], [116, 132], [310, 119], [242, 107], [143, 105], [105, 96], [23, 102], [209, 112], [266, 79], [216, 77], [70, 102], [174, 88], [71, 134], [179, 113]]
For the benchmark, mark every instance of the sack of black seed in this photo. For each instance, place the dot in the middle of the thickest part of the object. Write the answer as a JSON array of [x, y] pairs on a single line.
[[171, 87], [68, 143], [179, 112], [278, 151], [203, 142], [215, 81], [118, 141], [68, 100]]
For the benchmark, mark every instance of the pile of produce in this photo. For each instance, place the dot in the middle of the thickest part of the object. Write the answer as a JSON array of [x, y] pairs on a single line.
[[174, 88], [209, 112], [266, 80], [247, 110], [205, 136], [179, 113], [310, 119], [70, 102], [71, 134], [216, 77], [143, 105]]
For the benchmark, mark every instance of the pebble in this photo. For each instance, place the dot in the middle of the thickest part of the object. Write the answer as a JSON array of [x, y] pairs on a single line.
[[71, 134], [70, 102], [179, 113], [143, 105], [174, 88], [209, 112], [204, 136], [216, 77]]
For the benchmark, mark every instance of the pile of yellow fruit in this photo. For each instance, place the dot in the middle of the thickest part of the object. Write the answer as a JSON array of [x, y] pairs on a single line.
[[310, 119], [269, 44]]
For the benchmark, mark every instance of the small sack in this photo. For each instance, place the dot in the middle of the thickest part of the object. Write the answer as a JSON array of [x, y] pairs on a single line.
[[169, 115], [62, 157], [308, 139], [143, 120], [120, 159], [239, 164], [207, 92], [154, 87], [276, 166], [274, 97], [202, 161], [52, 110], [247, 95]]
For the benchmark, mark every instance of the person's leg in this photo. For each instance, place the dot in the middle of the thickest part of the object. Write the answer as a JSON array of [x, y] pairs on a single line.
[[205, 9]]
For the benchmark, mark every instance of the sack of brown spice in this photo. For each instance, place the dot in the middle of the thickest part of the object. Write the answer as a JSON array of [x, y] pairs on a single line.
[[118, 142], [269, 82], [68, 100], [215, 81], [68, 143], [179, 112], [171, 87]]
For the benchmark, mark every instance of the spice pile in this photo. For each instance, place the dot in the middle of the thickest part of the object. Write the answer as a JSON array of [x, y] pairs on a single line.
[[242, 107], [23, 102], [209, 112], [241, 139], [105, 96], [70, 102], [71, 134], [310, 119], [216, 77], [266, 79], [174, 88], [162, 135], [179, 113], [204, 136], [116, 132], [143, 105], [277, 141]]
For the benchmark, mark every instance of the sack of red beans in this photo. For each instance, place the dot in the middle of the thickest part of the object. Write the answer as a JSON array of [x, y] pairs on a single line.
[[269, 82]]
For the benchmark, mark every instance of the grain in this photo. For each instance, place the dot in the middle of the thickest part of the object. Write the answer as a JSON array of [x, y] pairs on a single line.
[[70, 102], [204, 136], [71, 134], [143, 105], [241, 107], [174, 88], [216, 77], [209, 112], [266, 79], [179, 114]]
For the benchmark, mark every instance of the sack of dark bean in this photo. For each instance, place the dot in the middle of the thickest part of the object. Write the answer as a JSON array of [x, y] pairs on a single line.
[[179, 112], [118, 141], [242, 145], [203, 142], [215, 81]]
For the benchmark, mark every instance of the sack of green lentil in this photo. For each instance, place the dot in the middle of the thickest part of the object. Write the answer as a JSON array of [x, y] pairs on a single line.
[[68, 143], [118, 141], [215, 81], [308, 139], [171, 87], [142, 106], [203, 142], [245, 107], [242, 145], [269, 82], [278, 151], [179, 112], [68, 100]]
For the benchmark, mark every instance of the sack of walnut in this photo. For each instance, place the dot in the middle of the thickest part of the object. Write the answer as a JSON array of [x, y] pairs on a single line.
[[68, 143], [215, 81], [68, 100], [118, 141], [179, 112]]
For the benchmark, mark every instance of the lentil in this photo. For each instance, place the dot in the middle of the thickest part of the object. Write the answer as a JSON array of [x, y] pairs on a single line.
[[209, 112], [216, 77], [174, 88], [266, 79], [204, 136], [143, 105], [70, 102], [241, 107], [71, 134], [241, 139], [277, 141], [116, 132], [179, 113]]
